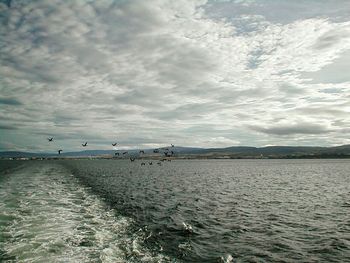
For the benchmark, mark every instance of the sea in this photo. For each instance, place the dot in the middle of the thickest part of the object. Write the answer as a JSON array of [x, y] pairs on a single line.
[[179, 211]]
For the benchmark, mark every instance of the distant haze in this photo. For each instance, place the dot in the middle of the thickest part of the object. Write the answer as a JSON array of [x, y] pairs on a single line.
[[192, 73]]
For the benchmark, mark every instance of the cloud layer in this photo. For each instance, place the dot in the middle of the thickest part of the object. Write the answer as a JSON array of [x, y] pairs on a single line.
[[151, 73]]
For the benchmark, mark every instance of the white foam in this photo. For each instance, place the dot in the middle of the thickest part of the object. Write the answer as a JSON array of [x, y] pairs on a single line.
[[52, 218]]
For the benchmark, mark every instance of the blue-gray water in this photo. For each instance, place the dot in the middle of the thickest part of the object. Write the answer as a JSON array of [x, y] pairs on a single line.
[[182, 211]]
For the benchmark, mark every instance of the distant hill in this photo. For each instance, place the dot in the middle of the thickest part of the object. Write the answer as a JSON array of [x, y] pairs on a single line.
[[87, 153], [342, 151]]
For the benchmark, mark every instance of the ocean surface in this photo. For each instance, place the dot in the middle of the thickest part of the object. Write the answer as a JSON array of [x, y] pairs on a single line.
[[180, 211]]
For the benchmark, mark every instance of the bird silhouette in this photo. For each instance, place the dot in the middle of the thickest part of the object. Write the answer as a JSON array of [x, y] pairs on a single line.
[[156, 151], [59, 151], [143, 164], [142, 152], [84, 144], [172, 145], [150, 163], [116, 154], [132, 159], [114, 144], [125, 153], [50, 139]]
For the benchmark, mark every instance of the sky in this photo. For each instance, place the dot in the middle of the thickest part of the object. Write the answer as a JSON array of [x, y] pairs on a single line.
[[158, 72]]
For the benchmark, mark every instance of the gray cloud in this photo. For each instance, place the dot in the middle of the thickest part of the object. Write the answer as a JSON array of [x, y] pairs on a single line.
[[331, 38], [149, 72], [7, 127], [10, 101], [299, 128]]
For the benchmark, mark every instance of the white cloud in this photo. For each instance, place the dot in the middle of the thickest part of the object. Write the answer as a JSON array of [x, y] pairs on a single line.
[[154, 72]]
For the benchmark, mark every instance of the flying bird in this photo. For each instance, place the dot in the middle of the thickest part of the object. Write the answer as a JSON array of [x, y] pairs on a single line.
[[150, 163], [84, 144], [172, 145], [132, 159], [50, 139], [143, 164], [114, 144], [59, 151], [125, 152], [156, 151], [142, 152]]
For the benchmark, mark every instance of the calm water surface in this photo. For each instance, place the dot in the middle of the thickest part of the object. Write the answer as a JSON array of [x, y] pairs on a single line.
[[181, 211]]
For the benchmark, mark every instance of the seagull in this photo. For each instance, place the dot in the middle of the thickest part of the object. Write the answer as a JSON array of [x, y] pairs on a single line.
[[84, 144], [114, 144], [150, 163], [50, 139], [142, 151], [143, 164], [59, 151], [132, 159]]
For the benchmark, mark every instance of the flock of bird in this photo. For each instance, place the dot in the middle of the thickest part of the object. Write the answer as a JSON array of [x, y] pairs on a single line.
[[165, 151]]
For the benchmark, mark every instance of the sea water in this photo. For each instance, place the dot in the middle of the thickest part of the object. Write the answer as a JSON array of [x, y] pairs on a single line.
[[180, 211]]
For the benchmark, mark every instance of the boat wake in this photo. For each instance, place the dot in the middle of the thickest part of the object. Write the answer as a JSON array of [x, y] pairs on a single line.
[[47, 216]]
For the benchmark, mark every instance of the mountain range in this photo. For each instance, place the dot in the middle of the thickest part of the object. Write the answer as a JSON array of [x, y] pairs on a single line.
[[342, 151]]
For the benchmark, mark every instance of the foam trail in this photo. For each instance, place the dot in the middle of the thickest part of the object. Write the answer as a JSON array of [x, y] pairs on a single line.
[[47, 216]]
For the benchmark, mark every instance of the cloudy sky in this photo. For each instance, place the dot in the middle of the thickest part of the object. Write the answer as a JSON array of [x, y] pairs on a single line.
[[192, 73]]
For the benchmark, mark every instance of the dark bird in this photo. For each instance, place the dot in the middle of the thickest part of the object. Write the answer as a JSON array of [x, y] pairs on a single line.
[[84, 144], [125, 153], [156, 151], [59, 151], [116, 154], [114, 144], [132, 159], [50, 139], [143, 163], [150, 163], [142, 152], [172, 145]]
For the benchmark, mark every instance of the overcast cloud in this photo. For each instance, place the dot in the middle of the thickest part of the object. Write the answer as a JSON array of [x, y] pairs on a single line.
[[192, 73]]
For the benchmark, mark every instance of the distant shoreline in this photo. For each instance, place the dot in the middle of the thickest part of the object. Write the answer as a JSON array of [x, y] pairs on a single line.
[[180, 158], [179, 152]]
